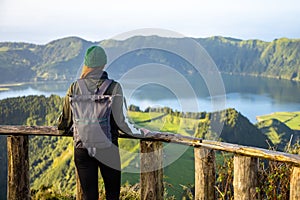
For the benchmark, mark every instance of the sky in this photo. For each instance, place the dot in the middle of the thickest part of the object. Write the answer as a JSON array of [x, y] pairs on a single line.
[[41, 21]]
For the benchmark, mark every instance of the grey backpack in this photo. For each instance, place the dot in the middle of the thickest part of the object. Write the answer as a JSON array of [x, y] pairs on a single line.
[[91, 116]]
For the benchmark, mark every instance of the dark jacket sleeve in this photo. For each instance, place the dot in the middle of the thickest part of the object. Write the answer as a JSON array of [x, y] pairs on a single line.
[[65, 120], [117, 110]]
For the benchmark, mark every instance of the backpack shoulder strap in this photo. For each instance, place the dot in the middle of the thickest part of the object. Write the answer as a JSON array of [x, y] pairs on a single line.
[[103, 87], [82, 87]]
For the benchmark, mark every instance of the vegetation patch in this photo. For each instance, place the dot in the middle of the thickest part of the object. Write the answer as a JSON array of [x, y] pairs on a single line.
[[291, 119], [51, 158], [4, 89]]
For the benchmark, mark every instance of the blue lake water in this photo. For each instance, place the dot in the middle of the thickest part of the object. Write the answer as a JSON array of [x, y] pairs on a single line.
[[251, 96]]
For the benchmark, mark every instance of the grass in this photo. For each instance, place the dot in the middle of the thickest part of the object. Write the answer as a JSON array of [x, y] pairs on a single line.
[[11, 84], [178, 159], [3, 49], [180, 169], [274, 137], [164, 123], [291, 119], [142, 116], [4, 89]]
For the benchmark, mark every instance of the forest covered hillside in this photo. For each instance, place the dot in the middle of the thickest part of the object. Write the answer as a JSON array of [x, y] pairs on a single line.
[[51, 158], [60, 59]]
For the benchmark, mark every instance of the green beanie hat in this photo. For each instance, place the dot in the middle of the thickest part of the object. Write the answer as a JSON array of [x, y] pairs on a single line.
[[95, 57]]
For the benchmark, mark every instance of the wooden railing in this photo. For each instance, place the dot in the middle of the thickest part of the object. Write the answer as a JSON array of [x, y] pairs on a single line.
[[245, 164]]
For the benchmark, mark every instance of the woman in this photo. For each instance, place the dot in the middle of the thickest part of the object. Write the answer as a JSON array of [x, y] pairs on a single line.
[[108, 159]]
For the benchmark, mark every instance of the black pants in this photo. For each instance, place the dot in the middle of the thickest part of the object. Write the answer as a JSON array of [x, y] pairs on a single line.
[[87, 168]]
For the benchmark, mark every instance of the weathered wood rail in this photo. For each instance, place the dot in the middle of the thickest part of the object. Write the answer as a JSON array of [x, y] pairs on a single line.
[[245, 164]]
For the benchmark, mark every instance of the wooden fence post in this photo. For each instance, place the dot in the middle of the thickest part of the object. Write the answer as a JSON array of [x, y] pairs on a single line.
[[245, 177], [205, 175], [18, 187], [151, 170], [295, 184]]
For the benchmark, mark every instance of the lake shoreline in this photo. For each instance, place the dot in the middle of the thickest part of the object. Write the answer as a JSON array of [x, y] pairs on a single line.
[[260, 76], [8, 86], [11, 84], [252, 96]]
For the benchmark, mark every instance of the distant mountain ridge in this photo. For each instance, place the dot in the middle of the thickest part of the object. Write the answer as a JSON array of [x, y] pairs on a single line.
[[60, 59], [52, 61]]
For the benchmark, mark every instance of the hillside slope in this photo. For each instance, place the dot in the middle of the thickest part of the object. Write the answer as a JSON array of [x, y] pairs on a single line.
[[279, 58], [57, 60], [60, 59], [51, 158], [235, 128], [279, 133]]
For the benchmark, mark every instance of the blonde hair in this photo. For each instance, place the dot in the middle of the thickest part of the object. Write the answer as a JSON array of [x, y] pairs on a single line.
[[85, 71]]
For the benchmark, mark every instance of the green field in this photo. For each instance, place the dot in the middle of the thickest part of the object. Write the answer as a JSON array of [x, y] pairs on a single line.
[[291, 119], [157, 121], [6, 87], [51, 158], [178, 159]]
